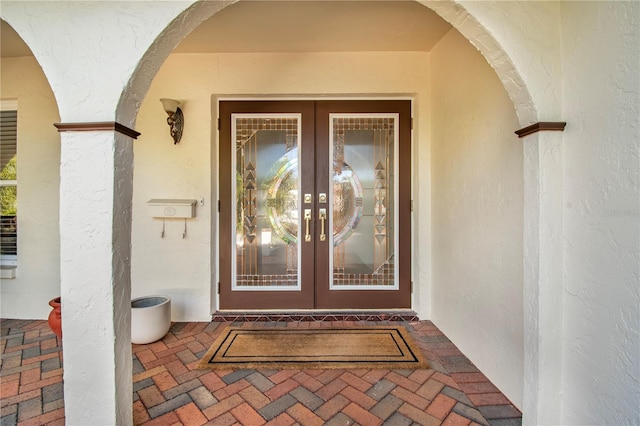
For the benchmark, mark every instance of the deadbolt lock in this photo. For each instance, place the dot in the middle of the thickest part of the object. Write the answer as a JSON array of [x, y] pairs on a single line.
[[322, 197], [307, 198]]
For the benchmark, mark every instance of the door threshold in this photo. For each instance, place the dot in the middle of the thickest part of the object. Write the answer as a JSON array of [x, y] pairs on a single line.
[[400, 315]]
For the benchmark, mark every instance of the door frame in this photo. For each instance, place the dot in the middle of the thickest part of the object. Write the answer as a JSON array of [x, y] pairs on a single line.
[[216, 195]]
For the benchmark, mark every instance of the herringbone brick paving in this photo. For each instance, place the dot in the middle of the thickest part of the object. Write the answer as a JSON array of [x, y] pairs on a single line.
[[168, 390]]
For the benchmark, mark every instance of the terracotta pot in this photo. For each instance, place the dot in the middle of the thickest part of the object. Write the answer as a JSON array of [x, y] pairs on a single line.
[[55, 318]]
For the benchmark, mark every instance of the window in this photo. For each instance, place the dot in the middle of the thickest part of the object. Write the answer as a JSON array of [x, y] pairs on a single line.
[[8, 186]]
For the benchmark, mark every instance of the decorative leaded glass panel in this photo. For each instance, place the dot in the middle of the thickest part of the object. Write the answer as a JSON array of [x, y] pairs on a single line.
[[363, 201], [266, 188]]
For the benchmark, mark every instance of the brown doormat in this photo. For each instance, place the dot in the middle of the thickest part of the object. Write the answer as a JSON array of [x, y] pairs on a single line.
[[387, 347]]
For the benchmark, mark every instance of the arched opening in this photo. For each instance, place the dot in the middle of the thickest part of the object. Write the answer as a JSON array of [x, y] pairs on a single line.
[[30, 200], [349, 78], [225, 56]]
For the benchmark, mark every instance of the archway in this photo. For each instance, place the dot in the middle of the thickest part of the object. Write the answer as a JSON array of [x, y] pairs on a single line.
[[36, 265], [420, 202], [187, 19]]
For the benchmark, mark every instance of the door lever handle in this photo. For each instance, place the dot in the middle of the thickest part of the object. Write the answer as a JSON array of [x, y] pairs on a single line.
[[307, 219], [323, 218]]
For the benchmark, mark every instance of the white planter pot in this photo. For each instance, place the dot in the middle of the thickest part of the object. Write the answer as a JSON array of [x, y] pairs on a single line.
[[150, 318]]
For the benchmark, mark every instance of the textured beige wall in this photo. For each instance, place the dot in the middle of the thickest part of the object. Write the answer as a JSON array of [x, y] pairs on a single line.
[[38, 273], [477, 213], [601, 148]]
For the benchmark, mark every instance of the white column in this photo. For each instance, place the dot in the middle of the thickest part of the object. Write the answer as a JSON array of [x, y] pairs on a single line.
[[543, 277], [96, 176]]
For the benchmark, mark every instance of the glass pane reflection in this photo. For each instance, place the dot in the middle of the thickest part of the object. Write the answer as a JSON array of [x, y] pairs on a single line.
[[266, 212], [363, 200]]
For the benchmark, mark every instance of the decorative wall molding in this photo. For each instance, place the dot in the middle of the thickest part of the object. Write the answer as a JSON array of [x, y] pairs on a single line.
[[541, 126], [97, 126]]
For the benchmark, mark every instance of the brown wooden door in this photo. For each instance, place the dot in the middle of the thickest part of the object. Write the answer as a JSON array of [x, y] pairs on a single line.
[[315, 204]]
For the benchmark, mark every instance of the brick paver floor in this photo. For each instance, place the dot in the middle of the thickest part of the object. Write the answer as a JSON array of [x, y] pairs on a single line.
[[168, 390]]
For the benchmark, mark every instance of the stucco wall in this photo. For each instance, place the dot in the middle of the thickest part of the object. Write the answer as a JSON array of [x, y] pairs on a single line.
[[38, 273], [523, 29], [601, 104], [182, 268], [477, 199]]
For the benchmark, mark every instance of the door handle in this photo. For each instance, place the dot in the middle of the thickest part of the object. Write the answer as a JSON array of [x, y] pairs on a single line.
[[323, 218], [307, 219]]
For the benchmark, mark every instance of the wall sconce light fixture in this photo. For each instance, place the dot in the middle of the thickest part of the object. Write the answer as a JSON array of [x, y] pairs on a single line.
[[175, 119]]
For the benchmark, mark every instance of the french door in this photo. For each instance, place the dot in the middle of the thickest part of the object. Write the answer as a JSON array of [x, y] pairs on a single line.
[[315, 204]]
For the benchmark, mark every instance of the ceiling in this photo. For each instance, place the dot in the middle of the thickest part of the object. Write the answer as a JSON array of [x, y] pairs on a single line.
[[318, 26], [301, 26]]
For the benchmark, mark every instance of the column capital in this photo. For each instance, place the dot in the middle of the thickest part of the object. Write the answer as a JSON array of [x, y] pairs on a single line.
[[113, 126], [541, 126]]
